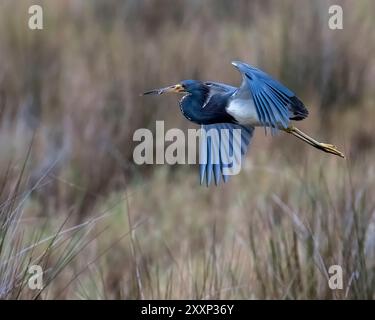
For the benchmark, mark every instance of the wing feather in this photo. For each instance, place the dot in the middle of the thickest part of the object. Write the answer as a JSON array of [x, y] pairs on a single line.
[[213, 160], [275, 104]]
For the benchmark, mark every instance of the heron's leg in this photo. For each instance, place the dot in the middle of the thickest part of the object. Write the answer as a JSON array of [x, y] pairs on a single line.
[[326, 147]]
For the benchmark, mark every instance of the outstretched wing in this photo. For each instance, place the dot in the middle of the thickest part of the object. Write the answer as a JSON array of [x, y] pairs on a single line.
[[222, 147], [275, 104]]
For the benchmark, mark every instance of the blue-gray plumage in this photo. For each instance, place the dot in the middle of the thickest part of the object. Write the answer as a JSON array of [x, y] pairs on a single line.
[[212, 149], [259, 101]]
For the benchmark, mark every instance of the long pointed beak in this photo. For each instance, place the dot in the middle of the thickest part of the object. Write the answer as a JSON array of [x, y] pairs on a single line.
[[177, 88]]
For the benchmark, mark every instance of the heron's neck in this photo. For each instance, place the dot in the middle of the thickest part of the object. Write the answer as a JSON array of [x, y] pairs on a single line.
[[197, 109], [191, 106]]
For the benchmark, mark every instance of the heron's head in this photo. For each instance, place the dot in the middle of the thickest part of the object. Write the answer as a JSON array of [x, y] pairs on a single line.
[[185, 86]]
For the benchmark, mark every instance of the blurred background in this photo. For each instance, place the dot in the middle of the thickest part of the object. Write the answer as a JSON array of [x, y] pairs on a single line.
[[73, 201]]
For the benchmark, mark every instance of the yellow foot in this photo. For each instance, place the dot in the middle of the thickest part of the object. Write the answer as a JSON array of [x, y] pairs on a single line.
[[330, 148]]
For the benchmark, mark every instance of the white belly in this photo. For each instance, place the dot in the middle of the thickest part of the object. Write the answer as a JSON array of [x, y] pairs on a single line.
[[243, 110]]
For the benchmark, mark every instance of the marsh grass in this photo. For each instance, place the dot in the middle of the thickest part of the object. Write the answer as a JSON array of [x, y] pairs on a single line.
[[52, 245], [265, 234]]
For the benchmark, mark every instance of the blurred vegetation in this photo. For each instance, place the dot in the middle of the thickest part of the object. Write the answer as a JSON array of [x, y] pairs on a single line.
[[71, 92]]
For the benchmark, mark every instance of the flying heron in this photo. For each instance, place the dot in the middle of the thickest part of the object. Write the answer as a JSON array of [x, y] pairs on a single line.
[[260, 101]]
